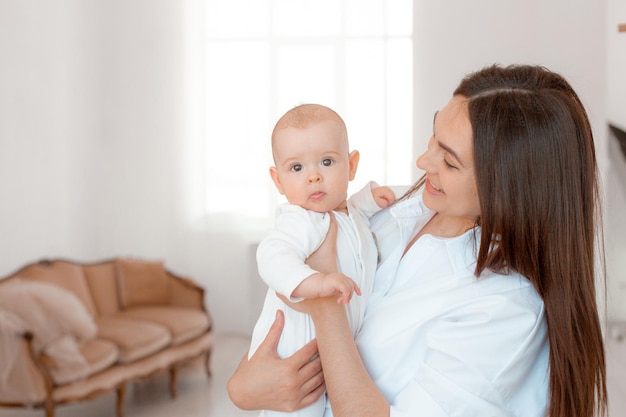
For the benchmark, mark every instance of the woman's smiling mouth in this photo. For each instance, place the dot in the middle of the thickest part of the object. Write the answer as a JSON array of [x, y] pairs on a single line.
[[432, 189]]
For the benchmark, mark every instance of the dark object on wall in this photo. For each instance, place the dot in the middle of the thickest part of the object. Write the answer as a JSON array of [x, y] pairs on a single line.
[[620, 135]]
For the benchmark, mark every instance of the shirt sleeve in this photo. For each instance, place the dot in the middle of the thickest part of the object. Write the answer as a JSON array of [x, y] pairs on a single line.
[[487, 358], [281, 256]]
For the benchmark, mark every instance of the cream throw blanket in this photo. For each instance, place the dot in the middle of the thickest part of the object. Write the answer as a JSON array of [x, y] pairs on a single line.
[[56, 317]]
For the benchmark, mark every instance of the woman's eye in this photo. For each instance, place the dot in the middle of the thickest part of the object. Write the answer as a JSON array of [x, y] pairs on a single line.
[[296, 168], [448, 164], [327, 162]]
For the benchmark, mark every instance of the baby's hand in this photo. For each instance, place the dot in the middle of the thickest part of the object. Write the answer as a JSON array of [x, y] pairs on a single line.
[[383, 196], [336, 283]]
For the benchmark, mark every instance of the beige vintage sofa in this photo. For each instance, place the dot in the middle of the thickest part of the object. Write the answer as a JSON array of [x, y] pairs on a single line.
[[72, 331]]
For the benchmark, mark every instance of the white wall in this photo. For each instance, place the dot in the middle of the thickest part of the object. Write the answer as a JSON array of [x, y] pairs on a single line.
[[96, 158], [454, 37], [48, 116], [616, 176], [616, 60]]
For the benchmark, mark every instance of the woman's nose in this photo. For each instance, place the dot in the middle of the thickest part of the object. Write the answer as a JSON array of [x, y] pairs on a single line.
[[422, 161]]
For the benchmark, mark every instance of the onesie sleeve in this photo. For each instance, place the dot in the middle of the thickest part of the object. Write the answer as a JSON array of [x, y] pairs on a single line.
[[363, 200], [281, 256]]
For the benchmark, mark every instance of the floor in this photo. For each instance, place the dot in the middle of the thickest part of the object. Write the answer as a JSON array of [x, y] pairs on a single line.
[[202, 397]]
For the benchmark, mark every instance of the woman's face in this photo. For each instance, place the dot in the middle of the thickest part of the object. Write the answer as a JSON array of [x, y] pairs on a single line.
[[450, 187]]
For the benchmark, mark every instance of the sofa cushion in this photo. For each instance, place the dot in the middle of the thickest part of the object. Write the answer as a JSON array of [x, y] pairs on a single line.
[[103, 286], [183, 323], [64, 274], [98, 355], [134, 338], [112, 377], [141, 282]]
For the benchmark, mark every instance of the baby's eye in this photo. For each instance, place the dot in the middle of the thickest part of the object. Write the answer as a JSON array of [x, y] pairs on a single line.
[[296, 168], [327, 162]]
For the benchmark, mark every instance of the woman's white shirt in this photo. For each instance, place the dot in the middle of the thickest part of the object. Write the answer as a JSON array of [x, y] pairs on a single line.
[[439, 341]]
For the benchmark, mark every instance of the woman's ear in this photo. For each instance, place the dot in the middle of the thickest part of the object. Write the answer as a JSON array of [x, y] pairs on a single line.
[[276, 179], [353, 159]]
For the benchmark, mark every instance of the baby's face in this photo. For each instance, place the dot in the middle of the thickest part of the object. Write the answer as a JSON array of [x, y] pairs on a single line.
[[313, 165]]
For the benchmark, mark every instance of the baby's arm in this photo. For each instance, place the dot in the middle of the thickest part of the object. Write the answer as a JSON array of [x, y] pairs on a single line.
[[384, 196], [326, 285], [281, 255]]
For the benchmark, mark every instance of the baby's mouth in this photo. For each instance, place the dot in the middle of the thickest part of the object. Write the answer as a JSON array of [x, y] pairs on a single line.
[[318, 195]]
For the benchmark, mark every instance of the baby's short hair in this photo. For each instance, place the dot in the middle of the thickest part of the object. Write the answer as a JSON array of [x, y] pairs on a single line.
[[304, 115]]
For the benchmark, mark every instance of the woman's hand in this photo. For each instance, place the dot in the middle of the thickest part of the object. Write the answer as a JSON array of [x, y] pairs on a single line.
[[267, 382]]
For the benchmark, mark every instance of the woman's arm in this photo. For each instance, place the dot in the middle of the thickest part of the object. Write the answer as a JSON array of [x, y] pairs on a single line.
[[266, 381], [350, 389]]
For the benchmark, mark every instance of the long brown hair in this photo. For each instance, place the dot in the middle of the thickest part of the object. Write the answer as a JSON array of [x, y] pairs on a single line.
[[537, 181]]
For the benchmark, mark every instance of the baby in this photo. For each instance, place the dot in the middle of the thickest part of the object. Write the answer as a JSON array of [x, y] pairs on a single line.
[[313, 166]]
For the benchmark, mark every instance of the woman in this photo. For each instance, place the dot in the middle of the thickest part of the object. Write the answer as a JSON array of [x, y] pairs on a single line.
[[484, 300]]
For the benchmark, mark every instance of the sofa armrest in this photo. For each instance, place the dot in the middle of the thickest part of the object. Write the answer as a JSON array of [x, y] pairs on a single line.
[[186, 292]]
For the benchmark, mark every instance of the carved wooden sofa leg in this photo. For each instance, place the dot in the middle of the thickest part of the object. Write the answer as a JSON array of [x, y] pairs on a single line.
[[119, 403], [49, 409], [173, 381]]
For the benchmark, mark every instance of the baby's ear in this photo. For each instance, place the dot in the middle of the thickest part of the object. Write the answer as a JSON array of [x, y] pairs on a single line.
[[276, 179], [353, 159]]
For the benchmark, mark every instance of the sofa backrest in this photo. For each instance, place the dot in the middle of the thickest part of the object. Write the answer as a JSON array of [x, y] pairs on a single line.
[[106, 287], [141, 282], [102, 281]]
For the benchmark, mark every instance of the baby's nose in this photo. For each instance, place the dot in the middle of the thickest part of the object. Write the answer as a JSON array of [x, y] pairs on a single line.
[[315, 177]]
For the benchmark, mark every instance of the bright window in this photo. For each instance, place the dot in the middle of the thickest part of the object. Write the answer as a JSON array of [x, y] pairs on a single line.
[[262, 57]]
